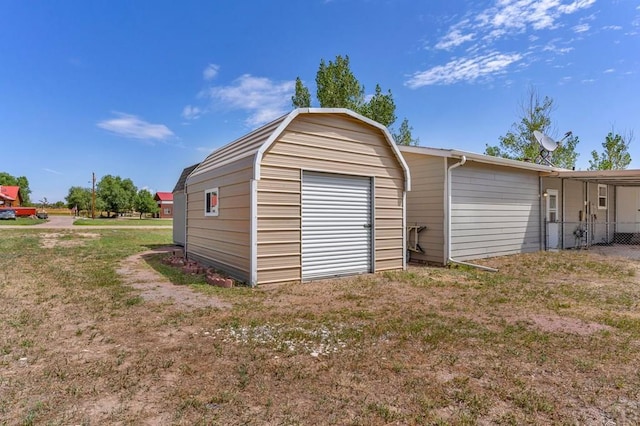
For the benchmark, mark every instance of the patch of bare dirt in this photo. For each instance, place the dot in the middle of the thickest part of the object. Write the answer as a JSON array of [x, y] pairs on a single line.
[[557, 324], [156, 288], [57, 239]]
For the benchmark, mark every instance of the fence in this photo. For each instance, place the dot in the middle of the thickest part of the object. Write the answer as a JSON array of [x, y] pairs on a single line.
[[567, 235]]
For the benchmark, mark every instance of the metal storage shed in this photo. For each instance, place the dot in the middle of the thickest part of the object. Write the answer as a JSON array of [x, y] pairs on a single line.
[[317, 193]]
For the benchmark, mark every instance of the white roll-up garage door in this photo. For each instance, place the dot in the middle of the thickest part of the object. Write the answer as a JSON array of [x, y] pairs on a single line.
[[336, 225]]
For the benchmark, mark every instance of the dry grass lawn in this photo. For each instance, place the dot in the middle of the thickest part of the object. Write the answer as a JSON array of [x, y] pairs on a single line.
[[553, 338]]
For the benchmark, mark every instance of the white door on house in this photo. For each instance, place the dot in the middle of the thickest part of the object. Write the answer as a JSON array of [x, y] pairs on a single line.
[[336, 225], [553, 226], [627, 209]]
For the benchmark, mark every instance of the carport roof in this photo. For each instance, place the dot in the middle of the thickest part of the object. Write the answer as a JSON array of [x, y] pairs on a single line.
[[610, 177]]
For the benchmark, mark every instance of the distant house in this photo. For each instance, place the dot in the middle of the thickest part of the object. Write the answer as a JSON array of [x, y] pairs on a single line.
[[10, 196], [165, 204]]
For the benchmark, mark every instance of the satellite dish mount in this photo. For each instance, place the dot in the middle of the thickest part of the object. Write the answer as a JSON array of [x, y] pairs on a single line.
[[547, 146]]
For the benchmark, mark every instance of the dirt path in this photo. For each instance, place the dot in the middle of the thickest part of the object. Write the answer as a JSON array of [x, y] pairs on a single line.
[[156, 288]]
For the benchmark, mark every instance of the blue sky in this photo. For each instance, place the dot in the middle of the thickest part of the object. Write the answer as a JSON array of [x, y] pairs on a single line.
[[142, 89]]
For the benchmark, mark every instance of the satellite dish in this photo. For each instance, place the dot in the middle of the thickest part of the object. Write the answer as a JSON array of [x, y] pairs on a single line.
[[545, 141]]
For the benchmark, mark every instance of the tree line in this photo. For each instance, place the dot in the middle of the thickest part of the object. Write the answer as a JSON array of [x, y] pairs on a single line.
[[113, 195], [338, 87]]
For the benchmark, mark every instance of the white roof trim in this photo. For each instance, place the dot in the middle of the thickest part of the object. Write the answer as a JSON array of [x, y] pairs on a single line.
[[629, 177], [285, 123]]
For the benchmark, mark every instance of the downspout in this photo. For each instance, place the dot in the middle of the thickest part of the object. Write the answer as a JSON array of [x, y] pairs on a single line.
[[186, 217], [253, 234], [448, 212]]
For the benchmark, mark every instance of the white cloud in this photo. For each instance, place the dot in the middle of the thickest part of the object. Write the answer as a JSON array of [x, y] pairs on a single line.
[[205, 149], [130, 126], [465, 69], [581, 28], [264, 99], [490, 27], [612, 27], [191, 112], [575, 6], [609, 71], [55, 172], [555, 49], [455, 37], [588, 81], [210, 72]]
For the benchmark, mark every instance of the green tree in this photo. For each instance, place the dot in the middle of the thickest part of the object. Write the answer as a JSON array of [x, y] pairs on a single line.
[[22, 182], [302, 97], [404, 136], [615, 155], [380, 108], [520, 144], [337, 87], [79, 198], [116, 193], [131, 191], [143, 202]]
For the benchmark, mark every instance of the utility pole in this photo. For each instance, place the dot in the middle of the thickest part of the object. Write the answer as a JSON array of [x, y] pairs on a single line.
[[93, 196]]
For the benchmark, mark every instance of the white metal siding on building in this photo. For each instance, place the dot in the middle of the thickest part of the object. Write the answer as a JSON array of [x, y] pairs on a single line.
[[336, 225], [494, 212]]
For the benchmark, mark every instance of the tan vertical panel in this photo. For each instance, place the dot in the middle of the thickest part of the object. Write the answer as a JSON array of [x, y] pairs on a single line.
[[222, 241], [425, 205]]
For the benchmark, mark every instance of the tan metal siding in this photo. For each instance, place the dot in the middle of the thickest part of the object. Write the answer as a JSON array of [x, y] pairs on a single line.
[[179, 217], [242, 148], [222, 241], [334, 144], [500, 200], [425, 204]]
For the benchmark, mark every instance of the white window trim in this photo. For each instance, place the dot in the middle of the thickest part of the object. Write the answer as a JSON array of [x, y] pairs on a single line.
[[604, 197], [549, 210], [215, 210]]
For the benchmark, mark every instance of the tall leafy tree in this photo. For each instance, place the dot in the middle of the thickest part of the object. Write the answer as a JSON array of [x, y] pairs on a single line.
[[380, 107], [404, 137], [615, 155], [79, 198], [337, 87], [302, 97], [143, 203], [21, 181], [116, 193], [520, 144]]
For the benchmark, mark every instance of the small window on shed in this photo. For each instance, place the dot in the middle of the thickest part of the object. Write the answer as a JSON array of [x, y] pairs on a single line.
[[602, 197], [211, 202]]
